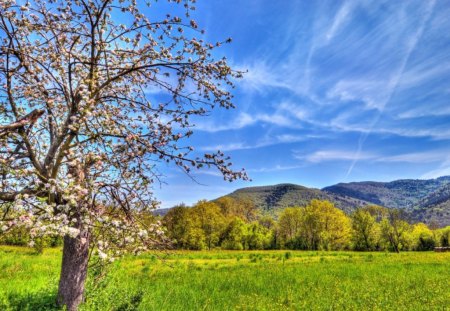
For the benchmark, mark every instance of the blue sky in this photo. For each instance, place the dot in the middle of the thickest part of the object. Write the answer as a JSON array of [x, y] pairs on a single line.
[[335, 91]]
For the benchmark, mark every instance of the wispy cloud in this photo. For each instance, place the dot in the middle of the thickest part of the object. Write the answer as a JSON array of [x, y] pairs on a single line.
[[339, 19], [276, 168], [442, 170], [393, 82], [241, 121], [418, 157], [331, 155], [278, 117], [264, 142], [373, 93], [260, 76]]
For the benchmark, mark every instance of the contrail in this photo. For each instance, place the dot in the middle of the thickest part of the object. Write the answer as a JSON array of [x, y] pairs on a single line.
[[393, 84]]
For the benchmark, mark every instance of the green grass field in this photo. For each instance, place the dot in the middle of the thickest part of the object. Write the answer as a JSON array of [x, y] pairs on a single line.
[[228, 280]]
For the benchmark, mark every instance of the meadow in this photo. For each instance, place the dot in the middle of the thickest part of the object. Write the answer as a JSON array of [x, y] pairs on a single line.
[[237, 280]]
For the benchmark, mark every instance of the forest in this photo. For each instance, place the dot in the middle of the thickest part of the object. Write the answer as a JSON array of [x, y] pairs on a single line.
[[236, 224]]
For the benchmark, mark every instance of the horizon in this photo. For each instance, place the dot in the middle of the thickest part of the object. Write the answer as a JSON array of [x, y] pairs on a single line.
[[335, 92], [306, 186]]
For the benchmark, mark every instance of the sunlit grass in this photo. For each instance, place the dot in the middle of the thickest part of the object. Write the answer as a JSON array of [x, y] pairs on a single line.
[[239, 280]]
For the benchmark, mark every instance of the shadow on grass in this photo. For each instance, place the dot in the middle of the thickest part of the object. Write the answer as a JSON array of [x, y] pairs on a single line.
[[29, 302]]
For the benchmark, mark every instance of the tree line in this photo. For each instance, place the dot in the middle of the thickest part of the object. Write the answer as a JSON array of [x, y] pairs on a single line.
[[237, 224]]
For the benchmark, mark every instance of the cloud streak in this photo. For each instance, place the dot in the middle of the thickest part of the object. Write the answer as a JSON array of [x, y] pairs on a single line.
[[331, 155], [393, 83]]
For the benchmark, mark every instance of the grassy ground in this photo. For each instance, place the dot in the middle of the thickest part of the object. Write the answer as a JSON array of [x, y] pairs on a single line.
[[225, 280]]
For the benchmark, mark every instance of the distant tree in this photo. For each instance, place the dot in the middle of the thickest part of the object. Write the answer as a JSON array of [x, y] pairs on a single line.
[[378, 212], [422, 237], [364, 230], [394, 230], [228, 206], [211, 221], [325, 226], [178, 222], [247, 209], [267, 222], [270, 224], [241, 207], [235, 234], [289, 225], [78, 133], [258, 236], [443, 236], [319, 225]]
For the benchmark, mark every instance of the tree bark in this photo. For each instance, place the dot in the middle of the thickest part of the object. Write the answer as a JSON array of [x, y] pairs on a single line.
[[73, 271]]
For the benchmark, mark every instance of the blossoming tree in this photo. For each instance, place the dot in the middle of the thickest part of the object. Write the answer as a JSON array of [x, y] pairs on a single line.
[[79, 138]]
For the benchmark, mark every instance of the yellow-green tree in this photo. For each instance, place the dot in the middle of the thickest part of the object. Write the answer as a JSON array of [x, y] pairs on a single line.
[[242, 207], [422, 238], [394, 230], [289, 225], [211, 221], [325, 226], [365, 230], [443, 236], [319, 225], [234, 235], [183, 228], [258, 236]]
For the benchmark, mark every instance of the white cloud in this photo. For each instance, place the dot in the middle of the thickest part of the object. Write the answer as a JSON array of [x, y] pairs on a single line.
[[419, 157], [332, 155], [246, 119], [340, 18], [261, 76], [275, 168], [442, 170], [370, 91], [269, 141]]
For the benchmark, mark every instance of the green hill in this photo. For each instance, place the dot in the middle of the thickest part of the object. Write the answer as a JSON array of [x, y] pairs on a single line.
[[271, 198], [404, 193], [424, 200]]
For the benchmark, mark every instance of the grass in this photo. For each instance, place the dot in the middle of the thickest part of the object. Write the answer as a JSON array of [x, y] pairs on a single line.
[[230, 280]]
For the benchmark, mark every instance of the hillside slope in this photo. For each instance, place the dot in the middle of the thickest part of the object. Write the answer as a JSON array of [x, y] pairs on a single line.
[[271, 198], [405, 193], [424, 200]]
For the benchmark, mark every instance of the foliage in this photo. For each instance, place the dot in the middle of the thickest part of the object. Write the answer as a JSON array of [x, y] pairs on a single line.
[[227, 223], [290, 221], [443, 236], [319, 225], [365, 232], [422, 238], [394, 231]]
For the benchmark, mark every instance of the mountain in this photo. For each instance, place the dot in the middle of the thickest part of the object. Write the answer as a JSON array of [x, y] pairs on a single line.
[[404, 193], [161, 211], [424, 200], [271, 198], [435, 207]]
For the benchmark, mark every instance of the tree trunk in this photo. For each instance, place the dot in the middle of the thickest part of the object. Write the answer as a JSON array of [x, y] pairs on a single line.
[[73, 270]]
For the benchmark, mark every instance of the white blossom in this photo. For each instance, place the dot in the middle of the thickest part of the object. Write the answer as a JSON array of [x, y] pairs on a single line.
[[102, 255]]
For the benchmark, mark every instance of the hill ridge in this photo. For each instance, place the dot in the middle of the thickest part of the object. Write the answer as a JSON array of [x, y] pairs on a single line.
[[426, 200]]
